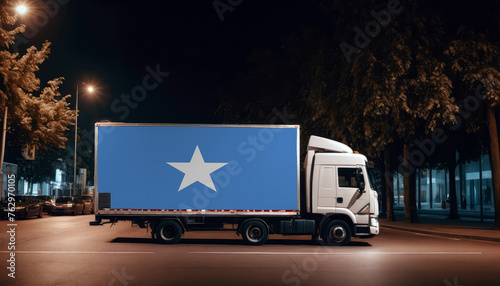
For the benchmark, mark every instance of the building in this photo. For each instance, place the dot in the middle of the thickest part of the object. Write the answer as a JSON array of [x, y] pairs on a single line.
[[473, 186]]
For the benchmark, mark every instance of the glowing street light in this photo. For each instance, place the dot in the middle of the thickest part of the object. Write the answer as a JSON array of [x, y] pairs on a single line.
[[90, 89], [21, 9]]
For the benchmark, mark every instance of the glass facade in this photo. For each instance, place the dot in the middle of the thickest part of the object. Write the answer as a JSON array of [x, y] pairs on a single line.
[[473, 185]]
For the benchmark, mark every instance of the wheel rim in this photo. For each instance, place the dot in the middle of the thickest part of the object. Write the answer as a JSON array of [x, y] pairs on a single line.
[[168, 232], [337, 233], [254, 233]]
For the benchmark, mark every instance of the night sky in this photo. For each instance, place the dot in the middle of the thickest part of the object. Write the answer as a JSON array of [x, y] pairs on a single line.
[[112, 43]]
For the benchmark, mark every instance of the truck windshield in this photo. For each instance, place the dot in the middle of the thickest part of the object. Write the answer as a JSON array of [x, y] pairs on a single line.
[[371, 174]]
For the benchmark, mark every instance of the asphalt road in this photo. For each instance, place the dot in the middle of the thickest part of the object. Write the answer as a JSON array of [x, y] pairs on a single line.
[[65, 250]]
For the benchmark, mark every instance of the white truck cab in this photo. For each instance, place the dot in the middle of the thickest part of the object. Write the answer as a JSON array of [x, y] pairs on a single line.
[[338, 183]]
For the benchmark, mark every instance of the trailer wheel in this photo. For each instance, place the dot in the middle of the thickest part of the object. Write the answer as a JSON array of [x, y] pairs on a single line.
[[337, 232], [255, 232], [168, 232]]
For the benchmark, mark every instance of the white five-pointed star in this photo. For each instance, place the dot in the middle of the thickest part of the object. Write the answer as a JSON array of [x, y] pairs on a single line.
[[197, 171]]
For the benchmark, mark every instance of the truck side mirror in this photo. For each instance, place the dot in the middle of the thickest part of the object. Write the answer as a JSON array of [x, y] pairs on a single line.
[[362, 186], [360, 178]]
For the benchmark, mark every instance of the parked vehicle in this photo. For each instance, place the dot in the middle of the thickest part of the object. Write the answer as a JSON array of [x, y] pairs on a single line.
[[89, 203], [176, 178], [22, 207], [69, 205], [47, 202]]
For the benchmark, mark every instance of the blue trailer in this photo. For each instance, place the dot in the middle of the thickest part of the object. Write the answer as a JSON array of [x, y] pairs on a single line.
[[176, 178]]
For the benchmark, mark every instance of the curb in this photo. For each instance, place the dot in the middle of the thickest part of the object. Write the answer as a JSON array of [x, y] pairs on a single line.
[[444, 234]]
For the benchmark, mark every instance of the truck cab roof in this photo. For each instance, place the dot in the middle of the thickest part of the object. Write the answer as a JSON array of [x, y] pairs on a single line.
[[321, 144]]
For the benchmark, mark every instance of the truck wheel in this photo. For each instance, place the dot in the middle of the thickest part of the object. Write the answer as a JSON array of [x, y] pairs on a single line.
[[255, 232], [337, 232], [168, 232]]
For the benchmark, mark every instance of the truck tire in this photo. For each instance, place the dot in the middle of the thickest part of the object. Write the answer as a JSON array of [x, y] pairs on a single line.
[[168, 232], [337, 232], [255, 232]]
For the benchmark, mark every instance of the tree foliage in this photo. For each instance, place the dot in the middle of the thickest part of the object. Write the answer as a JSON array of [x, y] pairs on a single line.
[[35, 116]]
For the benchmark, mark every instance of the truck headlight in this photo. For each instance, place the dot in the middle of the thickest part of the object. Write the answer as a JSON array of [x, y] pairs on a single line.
[[374, 221]]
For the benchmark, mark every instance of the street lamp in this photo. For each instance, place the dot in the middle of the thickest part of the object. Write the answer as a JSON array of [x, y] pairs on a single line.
[[90, 89], [21, 9]]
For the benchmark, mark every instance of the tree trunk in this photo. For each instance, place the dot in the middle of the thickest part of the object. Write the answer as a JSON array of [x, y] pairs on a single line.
[[413, 197], [452, 165], [389, 192], [494, 161], [409, 188]]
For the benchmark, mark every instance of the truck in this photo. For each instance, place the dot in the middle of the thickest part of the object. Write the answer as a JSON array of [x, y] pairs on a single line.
[[173, 178]]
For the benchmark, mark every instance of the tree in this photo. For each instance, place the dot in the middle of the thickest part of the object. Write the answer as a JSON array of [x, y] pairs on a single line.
[[393, 89], [477, 61], [37, 121]]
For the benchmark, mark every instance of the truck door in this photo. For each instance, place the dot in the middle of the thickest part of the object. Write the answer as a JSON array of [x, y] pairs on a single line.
[[327, 191]]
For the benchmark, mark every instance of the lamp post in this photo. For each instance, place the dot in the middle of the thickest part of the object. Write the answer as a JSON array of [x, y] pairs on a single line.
[[90, 89]]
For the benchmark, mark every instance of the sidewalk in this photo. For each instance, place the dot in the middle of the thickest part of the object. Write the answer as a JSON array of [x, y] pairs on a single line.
[[437, 224]]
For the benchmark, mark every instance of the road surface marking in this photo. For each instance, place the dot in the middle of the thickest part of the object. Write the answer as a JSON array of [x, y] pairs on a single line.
[[77, 252], [255, 253], [341, 253]]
